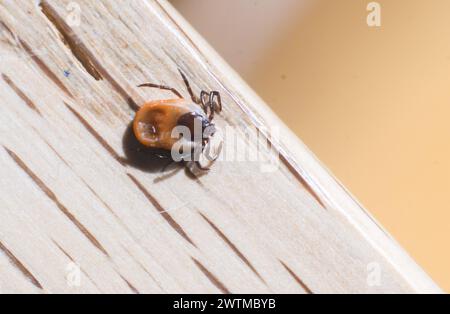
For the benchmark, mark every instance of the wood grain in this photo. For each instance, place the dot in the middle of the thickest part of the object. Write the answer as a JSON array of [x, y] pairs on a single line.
[[75, 188]]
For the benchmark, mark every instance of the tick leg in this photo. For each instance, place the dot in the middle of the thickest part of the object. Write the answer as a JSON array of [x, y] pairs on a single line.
[[169, 163], [219, 101], [173, 90], [204, 101], [188, 87], [199, 166]]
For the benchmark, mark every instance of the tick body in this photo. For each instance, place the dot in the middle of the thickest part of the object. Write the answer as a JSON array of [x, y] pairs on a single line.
[[155, 122]]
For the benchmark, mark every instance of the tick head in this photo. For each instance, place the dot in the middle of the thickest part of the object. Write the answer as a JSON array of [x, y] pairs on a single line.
[[196, 123]]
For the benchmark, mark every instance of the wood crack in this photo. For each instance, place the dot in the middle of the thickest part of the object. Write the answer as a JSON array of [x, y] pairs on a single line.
[[20, 93], [20, 266], [296, 278], [95, 134], [70, 40], [44, 68], [51, 195], [84, 55], [302, 180], [73, 261], [132, 288], [233, 248], [214, 280], [7, 29], [161, 210]]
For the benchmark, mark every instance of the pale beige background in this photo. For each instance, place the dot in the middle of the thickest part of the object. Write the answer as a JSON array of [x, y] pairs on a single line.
[[372, 103]]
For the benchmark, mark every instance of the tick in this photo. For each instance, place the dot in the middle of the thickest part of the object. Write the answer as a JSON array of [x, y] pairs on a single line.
[[155, 121]]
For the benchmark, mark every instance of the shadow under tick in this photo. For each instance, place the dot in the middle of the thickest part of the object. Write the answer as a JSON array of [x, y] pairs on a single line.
[[151, 160], [145, 158]]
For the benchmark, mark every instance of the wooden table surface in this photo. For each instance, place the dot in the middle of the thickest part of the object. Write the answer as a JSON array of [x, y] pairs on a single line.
[[84, 210]]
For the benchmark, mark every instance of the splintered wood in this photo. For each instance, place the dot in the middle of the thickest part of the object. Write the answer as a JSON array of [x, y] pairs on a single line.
[[84, 209]]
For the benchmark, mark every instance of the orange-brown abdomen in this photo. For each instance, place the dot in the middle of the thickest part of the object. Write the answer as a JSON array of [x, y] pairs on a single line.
[[155, 120]]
